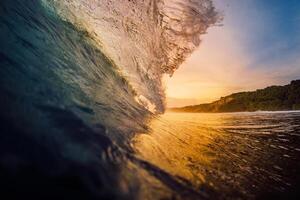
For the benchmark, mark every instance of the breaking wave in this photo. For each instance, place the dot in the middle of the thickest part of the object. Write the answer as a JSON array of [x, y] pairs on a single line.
[[78, 78], [145, 39]]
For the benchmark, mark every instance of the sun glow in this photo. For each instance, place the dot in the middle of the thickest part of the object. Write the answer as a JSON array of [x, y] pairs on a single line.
[[238, 56]]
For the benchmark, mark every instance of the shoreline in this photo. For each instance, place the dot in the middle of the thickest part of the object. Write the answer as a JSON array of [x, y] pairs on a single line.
[[258, 111]]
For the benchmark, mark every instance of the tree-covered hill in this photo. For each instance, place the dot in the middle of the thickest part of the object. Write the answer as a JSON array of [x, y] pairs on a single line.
[[272, 98]]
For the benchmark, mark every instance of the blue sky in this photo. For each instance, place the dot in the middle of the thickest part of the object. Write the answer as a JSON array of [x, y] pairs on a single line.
[[257, 46], [270, 28]]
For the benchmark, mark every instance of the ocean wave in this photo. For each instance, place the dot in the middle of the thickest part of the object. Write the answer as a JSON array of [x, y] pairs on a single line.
[[145, 39], [78, 80]]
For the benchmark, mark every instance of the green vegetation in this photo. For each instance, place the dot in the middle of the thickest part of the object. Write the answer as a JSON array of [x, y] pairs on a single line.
[[272, 98]]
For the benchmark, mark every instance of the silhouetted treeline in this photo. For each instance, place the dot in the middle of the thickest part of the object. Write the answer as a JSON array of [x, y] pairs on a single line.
[[272, 98]]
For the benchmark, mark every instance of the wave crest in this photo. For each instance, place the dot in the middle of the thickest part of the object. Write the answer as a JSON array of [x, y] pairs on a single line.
[[145, 39]]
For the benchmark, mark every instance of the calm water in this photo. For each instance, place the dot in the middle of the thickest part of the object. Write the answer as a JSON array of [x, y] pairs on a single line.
[[227, 156]]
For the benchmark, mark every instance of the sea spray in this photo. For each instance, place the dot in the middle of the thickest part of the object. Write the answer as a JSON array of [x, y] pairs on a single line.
[[76, 78], [145, 39]]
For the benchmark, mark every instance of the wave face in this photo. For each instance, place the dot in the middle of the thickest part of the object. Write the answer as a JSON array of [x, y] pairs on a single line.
[[78, 79], [144, 38]]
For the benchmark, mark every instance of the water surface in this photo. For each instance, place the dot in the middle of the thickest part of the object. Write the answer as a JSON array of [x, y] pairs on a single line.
[[227, 156]]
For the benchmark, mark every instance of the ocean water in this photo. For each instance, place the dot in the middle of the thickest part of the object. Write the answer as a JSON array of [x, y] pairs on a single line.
[[227, 156], [81, 103], [78, 80]]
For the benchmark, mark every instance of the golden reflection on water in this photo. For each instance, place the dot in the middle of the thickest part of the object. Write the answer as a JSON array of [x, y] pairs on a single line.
[[178, 143], [236, 155]]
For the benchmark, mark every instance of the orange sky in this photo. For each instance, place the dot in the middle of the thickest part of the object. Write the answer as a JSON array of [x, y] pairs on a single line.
[[224, 63], [216, 69]]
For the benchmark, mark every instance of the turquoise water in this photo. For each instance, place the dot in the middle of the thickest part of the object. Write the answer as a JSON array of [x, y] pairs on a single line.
[[64, 109]]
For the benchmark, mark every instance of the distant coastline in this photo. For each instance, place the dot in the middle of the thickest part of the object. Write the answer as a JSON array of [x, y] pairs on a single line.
[[273, 98]]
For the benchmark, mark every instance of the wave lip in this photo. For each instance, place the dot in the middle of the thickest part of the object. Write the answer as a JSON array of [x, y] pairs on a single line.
[[75, 79], [145, 39]]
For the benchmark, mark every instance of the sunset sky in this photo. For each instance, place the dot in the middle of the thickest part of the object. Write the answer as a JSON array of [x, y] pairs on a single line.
[[257, 46]]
